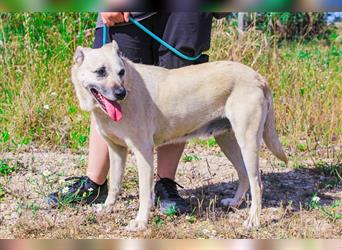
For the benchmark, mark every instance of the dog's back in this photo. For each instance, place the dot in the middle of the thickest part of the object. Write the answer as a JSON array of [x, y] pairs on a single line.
[[190, 100]]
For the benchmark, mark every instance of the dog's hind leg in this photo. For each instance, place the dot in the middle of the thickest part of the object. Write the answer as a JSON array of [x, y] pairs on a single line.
[[247, 117], [144, 157], [117, 159], [231, 149]]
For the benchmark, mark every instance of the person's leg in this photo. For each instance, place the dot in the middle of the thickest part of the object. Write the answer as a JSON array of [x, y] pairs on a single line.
[[98, 157], [168, 159]]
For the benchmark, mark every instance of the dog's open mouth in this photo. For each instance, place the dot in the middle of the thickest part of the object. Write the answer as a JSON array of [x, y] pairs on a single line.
[[112, 108]]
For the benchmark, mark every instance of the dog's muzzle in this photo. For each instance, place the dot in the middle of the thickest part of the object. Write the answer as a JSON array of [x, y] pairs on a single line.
[[111, 107]]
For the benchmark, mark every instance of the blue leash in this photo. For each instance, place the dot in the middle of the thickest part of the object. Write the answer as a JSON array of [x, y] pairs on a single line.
[[155, 37], [104, 34]]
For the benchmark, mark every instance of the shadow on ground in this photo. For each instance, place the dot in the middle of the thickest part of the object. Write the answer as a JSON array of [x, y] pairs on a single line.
[[295, 187]]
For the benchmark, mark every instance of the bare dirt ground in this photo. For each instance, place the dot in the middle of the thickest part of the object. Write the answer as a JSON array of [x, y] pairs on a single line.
[[207, 178]]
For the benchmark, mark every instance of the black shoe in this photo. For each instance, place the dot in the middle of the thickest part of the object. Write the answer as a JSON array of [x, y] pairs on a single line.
[[168, 198], [83, 191]]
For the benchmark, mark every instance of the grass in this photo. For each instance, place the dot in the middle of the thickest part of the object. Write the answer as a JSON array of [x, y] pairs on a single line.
[[191, 157], [331, 212], [2, 192], [39, 107], [5, 169], [332, 172], [305, 77]]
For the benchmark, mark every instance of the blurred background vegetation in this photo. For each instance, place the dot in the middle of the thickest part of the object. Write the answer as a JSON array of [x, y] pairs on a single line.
[[298, 53]]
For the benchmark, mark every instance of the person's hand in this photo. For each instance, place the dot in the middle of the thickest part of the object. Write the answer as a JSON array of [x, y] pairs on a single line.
[[111, 18]]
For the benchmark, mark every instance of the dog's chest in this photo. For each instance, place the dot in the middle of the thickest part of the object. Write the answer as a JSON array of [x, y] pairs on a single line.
[[109, 130]]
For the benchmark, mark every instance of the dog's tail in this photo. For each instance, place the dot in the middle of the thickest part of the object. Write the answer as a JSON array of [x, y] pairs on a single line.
[[270, 134]]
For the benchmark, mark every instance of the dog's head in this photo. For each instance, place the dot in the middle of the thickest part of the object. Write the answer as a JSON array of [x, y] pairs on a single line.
[[99, 76]]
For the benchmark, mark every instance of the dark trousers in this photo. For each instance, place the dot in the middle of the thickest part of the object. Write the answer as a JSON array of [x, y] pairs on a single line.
[[189, 32]]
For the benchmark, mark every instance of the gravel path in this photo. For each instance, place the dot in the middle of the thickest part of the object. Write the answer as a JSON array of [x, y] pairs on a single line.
[[207, 178]]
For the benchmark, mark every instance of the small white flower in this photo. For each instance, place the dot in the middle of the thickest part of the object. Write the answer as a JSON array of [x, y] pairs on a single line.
[[65, 190], [46, 173], [205, 231], [47, 107], [316, 199], [53, 94], [61, 182], [90, 189]]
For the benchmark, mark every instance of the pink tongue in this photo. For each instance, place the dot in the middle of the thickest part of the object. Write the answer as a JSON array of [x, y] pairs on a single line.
[[113, 109]]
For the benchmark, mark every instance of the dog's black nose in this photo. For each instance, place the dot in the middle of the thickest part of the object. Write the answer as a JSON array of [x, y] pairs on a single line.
[[120, 93]]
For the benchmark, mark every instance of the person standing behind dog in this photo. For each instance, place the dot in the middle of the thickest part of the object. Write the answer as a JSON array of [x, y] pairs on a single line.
[[188, 32]]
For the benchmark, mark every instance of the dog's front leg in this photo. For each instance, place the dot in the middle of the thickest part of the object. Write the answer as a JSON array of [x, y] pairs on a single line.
[[117, 158], [144, 157]]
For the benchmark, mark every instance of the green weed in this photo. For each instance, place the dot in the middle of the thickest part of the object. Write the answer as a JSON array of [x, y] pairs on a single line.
[[191, 157], [66, 198], [158, 220], [332, 171], [171, 211], [78, 140], [90, 219], [190, 218], [34, 207], [330, 212], [211, 142], [2, 192], [6, 169], [301, 147]]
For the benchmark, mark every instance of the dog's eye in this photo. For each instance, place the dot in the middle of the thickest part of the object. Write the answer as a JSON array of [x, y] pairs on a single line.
[[121, 73], [101, 72]]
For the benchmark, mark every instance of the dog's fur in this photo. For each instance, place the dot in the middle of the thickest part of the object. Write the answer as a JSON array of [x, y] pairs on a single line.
[[225, 99]]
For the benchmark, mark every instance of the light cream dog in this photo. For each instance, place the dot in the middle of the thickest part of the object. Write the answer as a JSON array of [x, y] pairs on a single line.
[[140, 107]]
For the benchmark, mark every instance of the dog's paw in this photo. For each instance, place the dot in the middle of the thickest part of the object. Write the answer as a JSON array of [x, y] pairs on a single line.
[[103, 208], [109, 204], [108, 209], [137, 225], [253, 222], [229, 202]]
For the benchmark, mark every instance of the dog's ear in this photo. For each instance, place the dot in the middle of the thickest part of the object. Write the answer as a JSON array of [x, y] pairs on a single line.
[[115, 45], [117, 49], [79, 55]]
